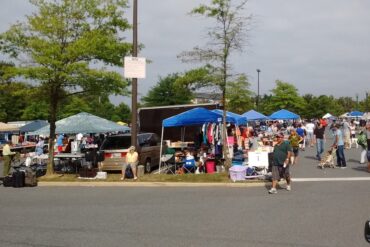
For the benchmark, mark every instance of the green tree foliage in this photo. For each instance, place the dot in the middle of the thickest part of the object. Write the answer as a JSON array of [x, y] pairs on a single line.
[[227, 36], [285, 96], [168, 92], [347, 104], [364, 105], [238, 95], [316, 107], [61, 40], [122, 113], [13, 99]]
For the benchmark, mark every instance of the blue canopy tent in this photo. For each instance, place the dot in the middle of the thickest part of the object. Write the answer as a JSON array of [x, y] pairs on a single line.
[[355, 114], [33, 126], [237, 119], [283, 115], [253, 115], [196, 116], [82, 123]]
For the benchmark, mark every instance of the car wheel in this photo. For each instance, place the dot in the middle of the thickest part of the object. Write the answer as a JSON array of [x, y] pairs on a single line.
[[148, 166]]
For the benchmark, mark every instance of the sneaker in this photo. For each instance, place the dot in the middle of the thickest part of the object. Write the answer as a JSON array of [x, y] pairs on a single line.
[[288, 188], [272, 191], [121, 178], [343, 167]]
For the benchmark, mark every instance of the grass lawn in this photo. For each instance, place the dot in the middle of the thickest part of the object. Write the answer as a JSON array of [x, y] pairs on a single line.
[[191, 178]]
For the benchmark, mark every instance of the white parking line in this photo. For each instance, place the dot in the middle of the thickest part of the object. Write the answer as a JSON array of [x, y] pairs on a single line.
[[330, 179]]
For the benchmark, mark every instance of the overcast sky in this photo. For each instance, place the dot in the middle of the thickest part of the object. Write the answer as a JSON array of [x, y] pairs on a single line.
[[320, 46]]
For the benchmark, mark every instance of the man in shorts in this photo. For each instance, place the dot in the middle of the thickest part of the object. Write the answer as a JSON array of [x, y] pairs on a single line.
[[368, 145], [280, 167]]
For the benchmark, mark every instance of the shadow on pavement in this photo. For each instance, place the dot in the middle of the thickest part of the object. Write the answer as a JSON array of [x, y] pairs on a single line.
[[360, 169], [310, 157]]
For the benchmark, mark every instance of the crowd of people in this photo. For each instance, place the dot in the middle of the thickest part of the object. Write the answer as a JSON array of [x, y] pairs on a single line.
[[345, 134]]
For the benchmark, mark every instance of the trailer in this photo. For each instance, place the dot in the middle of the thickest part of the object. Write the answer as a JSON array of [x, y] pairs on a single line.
[[150, 120]]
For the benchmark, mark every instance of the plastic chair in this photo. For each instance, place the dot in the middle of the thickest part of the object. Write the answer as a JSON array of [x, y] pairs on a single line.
[[189, 166]]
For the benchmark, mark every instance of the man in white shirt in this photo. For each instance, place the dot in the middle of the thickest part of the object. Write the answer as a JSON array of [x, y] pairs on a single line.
[[310, 127]]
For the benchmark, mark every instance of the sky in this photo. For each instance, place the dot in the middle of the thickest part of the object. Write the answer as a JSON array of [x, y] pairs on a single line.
[[320, 46]]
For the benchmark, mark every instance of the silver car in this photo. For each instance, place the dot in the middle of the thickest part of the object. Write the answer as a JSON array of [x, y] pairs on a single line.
[[115, 148]]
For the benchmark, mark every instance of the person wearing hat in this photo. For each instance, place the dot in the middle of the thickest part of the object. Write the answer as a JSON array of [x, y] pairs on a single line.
[[280, 167], [339, 144], [132, 159]]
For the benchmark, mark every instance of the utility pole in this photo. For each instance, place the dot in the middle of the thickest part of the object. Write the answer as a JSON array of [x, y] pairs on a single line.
[[134, 81], [258, 88]]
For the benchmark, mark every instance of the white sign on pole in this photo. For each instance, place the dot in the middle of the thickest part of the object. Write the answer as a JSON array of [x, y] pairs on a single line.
[[135, 67]]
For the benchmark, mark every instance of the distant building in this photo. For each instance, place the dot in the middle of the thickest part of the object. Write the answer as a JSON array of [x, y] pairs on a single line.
[[207, 97]]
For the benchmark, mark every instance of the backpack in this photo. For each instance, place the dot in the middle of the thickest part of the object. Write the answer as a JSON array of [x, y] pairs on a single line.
[[362, 140], [128, 172]]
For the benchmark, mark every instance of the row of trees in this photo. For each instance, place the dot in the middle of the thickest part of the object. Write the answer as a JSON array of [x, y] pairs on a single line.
[[240, 98]]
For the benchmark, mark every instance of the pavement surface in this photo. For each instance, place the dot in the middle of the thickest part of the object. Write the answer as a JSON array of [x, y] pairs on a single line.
[[318, 214]]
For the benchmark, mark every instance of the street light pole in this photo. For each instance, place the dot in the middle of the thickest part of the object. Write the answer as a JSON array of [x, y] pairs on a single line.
[[134, 81], [258, 88]]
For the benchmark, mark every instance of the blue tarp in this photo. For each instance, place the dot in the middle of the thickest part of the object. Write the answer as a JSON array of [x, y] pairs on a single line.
[[196, 116], [355, 114], [236, 118], [253, 115], [283, 115]]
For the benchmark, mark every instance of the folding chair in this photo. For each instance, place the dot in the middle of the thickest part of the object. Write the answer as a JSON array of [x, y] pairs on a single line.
[[189, 166], [167, 163]]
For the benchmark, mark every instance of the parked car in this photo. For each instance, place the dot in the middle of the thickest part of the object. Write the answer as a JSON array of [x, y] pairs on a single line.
[[115, 148]]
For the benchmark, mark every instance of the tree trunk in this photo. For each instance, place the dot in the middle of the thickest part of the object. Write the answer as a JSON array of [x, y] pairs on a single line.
[[52, 120]]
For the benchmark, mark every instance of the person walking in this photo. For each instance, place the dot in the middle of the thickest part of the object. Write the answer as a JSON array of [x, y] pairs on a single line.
[[339, 144], [294, 139], [302, 133], [368, 145], [362, 142], [280, 168], [352, 128], [132, 159], [319, 134], [309, 130], [346, 134]]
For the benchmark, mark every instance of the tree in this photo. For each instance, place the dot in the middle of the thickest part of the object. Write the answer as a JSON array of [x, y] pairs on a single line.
[[168, 92], [122, 113], [226, 37], [346, 103], [238, 95], [13, 99], [60, 41], [285, 96]]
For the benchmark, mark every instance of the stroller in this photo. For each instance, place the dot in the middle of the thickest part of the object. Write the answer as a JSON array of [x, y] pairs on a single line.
[[328, 159]]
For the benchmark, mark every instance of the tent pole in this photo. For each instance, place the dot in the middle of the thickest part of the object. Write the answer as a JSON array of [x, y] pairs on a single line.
[[160, 154]]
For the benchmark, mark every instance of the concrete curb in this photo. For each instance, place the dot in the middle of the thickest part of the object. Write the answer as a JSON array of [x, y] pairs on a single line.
[[150, 184]]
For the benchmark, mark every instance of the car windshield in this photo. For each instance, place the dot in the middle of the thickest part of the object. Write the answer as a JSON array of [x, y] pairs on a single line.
[[116, 142]]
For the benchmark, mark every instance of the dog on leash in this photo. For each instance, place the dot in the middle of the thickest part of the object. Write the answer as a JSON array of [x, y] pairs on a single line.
[[328, 159]]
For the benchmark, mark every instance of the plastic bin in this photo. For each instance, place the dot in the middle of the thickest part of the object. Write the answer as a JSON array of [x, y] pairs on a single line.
[[237, 173]]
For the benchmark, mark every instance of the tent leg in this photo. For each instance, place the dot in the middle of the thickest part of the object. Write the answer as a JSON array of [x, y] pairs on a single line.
[[160, 154]]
